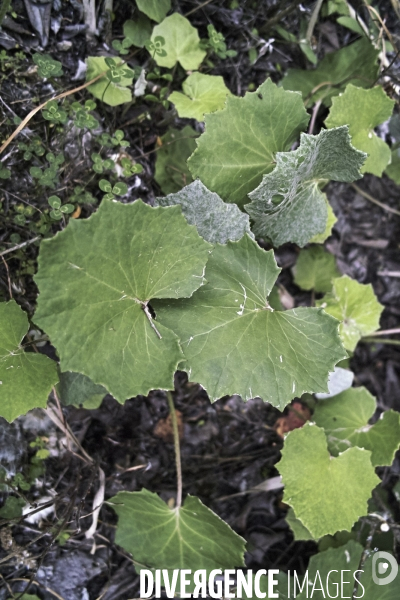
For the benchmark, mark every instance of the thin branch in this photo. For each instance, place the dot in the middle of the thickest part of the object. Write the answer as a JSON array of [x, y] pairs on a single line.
[[385, 332], [372, 199], [172, 412], [197, 8], [33, 112], [313, 21], [316, 108], [35, 239]]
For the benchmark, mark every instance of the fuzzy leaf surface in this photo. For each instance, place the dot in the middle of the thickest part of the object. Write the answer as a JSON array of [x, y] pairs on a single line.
[[172, 172], [95, 278], [314, 270], [312, 478], [111, 93], [26, 377], [182, 43], [215, 220], [240, 141], [201, 94], [155, 9], [191, 537], [356, 64], [345, 421], [362, 110], [235, 344], [356, 306], [288, 205], [345, 561]]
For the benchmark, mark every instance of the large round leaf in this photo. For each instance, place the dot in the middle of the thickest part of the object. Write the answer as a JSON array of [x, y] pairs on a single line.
[[95, 280]]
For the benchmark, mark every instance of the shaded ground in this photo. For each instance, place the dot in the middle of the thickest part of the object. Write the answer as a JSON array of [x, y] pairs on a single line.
[[228, 447]]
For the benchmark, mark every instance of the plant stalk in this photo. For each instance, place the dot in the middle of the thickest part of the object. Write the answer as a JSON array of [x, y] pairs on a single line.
[[177, 449]]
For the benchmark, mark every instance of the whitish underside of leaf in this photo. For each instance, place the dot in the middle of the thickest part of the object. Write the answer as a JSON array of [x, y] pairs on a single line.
[[354, 64], [344, 419], [201, 94], [172, 172], [288, 205], [314, 269], [103, 89], [95, 279], [26, 377], [182, 43], [334, 569], [235, 344], [240, 141], [356, 306], [216, 221], [312, 478], [362, 110], [189, 537]]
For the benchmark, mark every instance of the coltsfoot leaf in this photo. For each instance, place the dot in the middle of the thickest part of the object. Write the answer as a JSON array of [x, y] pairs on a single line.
[[288, 205], [362, 110], [314, 270], [354, 64], [181, 43], [95, 280], [344, 419], [189, 537], [155, 9], [235, 343], [26, 377], [216, 221], [334, 568], [201, 94], [79, 390], [313, 478], [356, 306], [240, 141], [172, 172]]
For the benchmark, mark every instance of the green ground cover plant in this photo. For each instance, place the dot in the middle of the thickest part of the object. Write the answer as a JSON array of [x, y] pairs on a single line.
[[133, 293]]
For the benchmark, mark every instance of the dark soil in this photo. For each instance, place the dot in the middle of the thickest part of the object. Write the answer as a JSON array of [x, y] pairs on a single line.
[[229, 447]]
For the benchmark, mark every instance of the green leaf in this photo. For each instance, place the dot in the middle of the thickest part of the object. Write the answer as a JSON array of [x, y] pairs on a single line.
[[189, 537], [299, 531], [354, 64], [26, 377], [320, 238], [240, 141], [351, 24], [393, 170], [138, 31], [172, 172], [77, 389], [314, 270], [12, 509], [216, 221], [363, 110], [235, 343], [112, 94], [356, 306], [96, 278], [182, 43], [288, 205], [202, 94], [312, 478], [335, 565], [155, 9], [345, 421]]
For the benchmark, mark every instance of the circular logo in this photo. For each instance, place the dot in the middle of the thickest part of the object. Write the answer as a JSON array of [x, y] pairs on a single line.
[[387, 564]]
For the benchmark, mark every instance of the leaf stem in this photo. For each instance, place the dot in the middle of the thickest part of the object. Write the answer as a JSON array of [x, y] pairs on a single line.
[[150, 318], [313, 21], [175, 430], [372, 199]]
